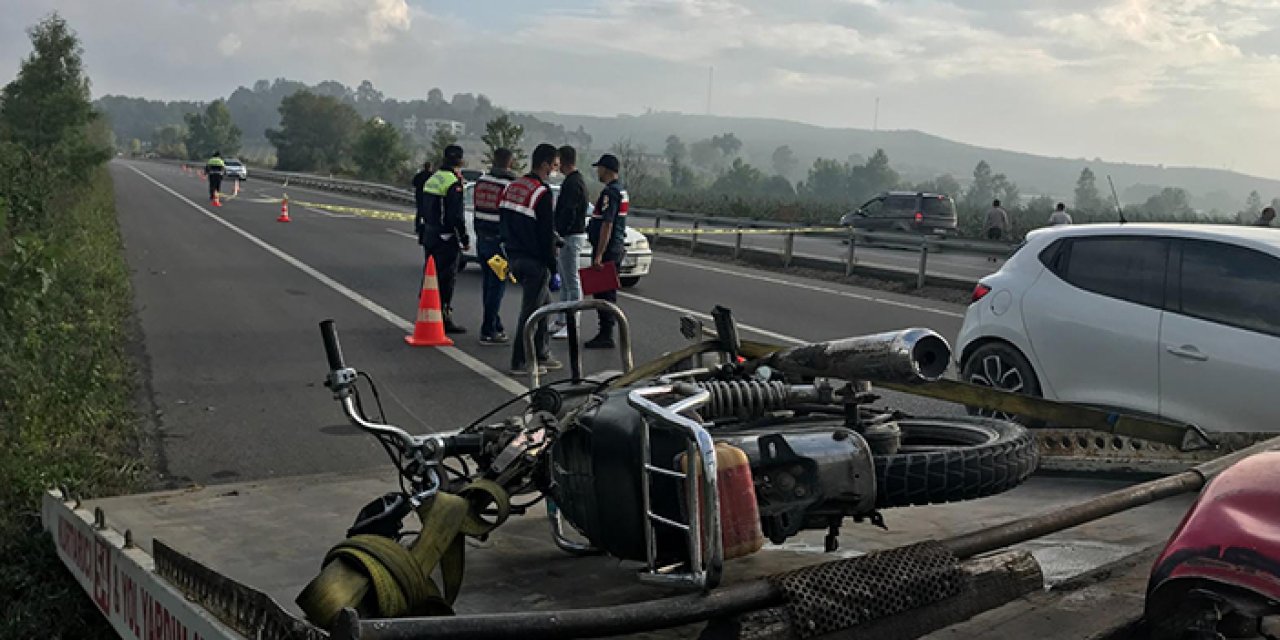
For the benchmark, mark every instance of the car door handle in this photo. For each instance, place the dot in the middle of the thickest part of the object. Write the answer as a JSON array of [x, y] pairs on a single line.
[[1189, 352]]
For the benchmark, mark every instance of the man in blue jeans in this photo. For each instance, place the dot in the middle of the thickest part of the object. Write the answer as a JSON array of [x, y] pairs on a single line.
[[487, 201], [571, 226]]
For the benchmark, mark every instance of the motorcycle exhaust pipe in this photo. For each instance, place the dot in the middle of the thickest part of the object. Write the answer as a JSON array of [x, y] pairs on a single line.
[[907, 356]]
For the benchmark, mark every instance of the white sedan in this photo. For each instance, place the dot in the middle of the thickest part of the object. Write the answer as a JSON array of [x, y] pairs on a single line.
[[635, 264], [1176, 321]]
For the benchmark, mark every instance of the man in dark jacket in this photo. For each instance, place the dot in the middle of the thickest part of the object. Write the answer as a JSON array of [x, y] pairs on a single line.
[[442, 228], [528, 232], [213, 170], [487, 198], [419, 181], [571, 226], [607, 232]]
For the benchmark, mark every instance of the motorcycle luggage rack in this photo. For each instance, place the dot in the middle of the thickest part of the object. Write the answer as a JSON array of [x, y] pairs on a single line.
[[706, 549], [570, 310], [575, 350]]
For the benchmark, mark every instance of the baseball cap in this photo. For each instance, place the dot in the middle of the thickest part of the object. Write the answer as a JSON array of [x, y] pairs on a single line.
[[608, 161]]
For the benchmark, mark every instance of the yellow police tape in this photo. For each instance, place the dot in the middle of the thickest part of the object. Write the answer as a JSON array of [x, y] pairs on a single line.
[[666, 231]]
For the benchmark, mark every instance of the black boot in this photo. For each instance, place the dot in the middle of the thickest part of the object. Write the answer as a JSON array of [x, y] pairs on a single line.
[[601, 341], [449, 327]]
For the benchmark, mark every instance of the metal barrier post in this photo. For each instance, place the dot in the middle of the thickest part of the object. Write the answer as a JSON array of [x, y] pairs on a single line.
[[924, 262], [849, 261], [737, 244], [789, 249], [693, 239], [657, 230]]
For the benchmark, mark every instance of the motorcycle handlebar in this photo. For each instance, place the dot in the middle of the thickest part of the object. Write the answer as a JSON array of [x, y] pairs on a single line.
[[331, 347]]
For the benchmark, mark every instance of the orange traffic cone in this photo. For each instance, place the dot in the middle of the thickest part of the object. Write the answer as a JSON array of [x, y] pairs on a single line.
[[428, 331], [284, 210]]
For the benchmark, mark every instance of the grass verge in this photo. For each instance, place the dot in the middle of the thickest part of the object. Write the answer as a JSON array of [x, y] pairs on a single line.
[[66, 390]]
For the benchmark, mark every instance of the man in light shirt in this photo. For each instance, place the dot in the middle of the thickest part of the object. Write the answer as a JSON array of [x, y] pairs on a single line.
[[1059, 216]]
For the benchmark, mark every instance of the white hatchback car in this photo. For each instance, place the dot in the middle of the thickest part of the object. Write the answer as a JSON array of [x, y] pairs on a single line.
[[636, 262], [1176, 321]]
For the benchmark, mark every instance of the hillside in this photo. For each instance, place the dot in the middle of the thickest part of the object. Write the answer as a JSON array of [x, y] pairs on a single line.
[[920, 156]]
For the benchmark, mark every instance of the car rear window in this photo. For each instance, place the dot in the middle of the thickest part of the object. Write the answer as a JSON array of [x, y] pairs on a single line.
[[935, 206], [1231, 285], [900, 204], [1125, 268]]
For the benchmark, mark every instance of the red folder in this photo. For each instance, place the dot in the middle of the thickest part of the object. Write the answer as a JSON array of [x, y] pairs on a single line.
[[599, 280]]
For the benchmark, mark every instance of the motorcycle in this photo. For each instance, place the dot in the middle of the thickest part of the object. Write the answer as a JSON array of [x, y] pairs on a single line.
[[680, 464]]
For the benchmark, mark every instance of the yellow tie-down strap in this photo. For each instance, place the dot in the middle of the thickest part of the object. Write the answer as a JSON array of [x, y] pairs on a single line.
[[383, 579]]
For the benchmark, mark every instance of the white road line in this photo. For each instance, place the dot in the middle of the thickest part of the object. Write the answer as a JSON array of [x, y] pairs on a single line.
[[746, 327], [808, 287], [462, 357], [401, 233], [328, 213]]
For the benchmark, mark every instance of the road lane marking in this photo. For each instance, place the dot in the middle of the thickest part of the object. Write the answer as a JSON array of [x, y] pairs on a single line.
[[401, 233], [702, 316], [458, 355], [808, 287]]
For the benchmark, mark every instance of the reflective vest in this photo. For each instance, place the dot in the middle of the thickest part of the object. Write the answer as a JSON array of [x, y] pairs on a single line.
[[214, 166], [487, 200]]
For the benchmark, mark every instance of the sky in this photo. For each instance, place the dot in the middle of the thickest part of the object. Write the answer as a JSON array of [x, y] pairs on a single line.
[[1174, 82]]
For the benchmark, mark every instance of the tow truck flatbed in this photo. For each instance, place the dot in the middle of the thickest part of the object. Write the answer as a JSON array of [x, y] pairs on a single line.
[[271, 535]]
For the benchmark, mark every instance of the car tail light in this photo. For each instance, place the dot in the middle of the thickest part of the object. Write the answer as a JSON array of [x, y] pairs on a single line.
[[980, 292], [919, 216]]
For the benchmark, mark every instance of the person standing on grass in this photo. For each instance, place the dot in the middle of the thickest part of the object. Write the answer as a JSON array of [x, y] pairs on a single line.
[[571, 226], [997, 225], [1059, 216]]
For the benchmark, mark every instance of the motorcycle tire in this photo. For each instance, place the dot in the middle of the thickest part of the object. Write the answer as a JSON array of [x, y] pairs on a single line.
[[954, 459]]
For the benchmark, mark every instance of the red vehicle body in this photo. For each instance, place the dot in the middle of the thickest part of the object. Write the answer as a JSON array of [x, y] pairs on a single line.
[[1220, 571]]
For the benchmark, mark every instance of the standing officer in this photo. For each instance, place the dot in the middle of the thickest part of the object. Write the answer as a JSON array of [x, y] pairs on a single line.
[[213, 171], [488, 225], [419, 181], [607, 232], [571, 226], [528, 231], [442, 228]]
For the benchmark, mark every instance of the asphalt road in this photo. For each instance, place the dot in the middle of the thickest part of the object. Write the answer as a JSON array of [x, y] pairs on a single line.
[[229, 300], [939, 263]]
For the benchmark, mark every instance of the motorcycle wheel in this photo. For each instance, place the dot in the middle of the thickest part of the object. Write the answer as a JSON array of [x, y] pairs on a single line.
[[953, 459]]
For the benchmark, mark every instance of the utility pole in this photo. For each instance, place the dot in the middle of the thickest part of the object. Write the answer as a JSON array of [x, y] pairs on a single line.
[[875, 121], [711, 72]]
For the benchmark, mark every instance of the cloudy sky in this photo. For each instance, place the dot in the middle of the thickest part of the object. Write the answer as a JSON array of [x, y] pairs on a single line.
[[1178, 82]]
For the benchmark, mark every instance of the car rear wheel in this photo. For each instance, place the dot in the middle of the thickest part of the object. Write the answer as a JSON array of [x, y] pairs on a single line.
[[999, 366], [630, 281]]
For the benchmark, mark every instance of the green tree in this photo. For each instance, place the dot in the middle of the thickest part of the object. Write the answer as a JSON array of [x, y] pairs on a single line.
[[1253, 205], [634, 164], [50, 97], [212, 131], [1005, 189], [135, 147], [982, 191], [681, 175], [1171, 203], [876, 176], [728, 144], [170, 142], [741, 178], [378, 151], [777, 186], [784, 161], [500, 133], [1088, 200], [675, 150], [443, 137], [315, 132], [944, 184], [828, 180]]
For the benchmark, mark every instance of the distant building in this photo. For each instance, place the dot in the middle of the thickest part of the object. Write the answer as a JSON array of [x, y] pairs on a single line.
[[431, 125]]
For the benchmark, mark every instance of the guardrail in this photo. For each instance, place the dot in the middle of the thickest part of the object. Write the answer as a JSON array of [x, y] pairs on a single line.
[[718, 225]]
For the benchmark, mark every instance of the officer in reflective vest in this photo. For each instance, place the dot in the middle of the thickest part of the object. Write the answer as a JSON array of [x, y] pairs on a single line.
[[488, 226], [213, 171], [442, 228]]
